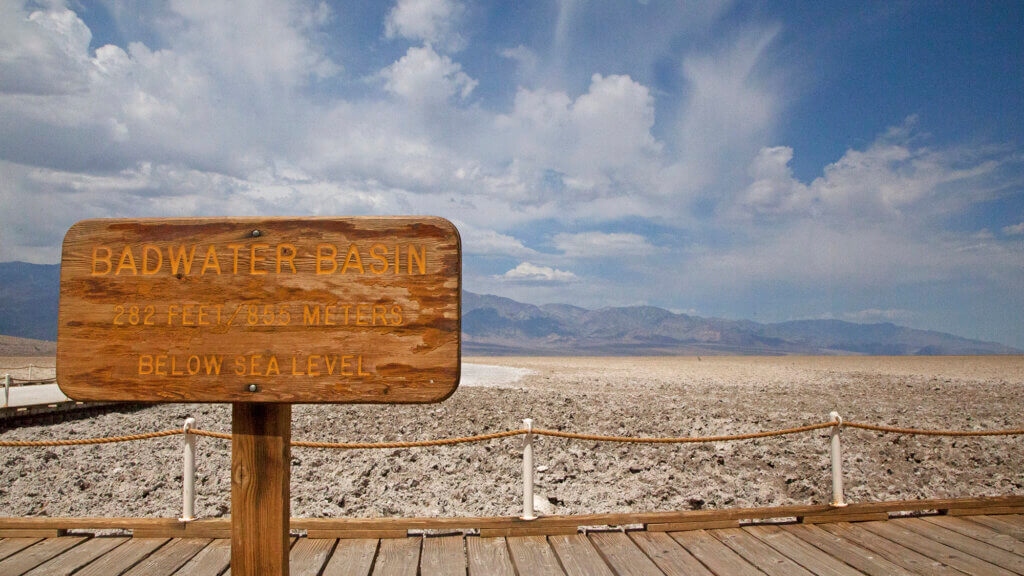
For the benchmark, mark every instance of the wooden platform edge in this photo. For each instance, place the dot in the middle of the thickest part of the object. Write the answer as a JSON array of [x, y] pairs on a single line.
[[510, 525]]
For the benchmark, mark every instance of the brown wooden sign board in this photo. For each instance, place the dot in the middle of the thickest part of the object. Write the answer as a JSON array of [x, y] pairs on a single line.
[[284, 310]]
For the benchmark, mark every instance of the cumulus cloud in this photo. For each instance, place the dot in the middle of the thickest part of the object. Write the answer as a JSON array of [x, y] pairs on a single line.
[[425, 76], [432, 21], [889, 178], [528, 273], [602, 245]]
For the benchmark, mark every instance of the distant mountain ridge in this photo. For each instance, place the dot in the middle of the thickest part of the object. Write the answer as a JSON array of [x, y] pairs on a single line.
[[502, 326]]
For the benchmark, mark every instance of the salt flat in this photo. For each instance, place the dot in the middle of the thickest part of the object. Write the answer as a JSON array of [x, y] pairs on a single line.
[[620, 396]]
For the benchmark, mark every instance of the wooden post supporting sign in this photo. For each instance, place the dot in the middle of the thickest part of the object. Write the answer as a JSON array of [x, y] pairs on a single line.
[[260, 496], [261, 313]]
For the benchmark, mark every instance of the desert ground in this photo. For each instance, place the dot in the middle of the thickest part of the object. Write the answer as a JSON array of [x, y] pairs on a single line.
[[618, 396]]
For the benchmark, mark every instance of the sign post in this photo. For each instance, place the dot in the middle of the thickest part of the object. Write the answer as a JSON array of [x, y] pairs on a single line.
[[261, 313]]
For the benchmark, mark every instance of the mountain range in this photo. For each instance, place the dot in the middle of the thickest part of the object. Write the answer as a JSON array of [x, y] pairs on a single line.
[[495, 325]]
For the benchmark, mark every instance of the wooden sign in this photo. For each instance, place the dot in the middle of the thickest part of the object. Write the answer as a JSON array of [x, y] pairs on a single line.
[[287, 310]]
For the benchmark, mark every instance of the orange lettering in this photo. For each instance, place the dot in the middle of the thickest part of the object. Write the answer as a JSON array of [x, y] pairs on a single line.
[[183, 260], [234, 252], [210, 261], [253, 258], [358, 262], [127, 261], [146, 251], [145, 364], [421, 259], [320, 258], [105, 259], [289, 258], [382, 259]]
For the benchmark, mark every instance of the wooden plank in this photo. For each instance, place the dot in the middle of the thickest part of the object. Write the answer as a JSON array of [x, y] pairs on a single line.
[[855, 555], [291, 542], [1000, 524], [30, 533], [670, 557], [698, 525], [801, 552], [123, 557], [718, 557], [12, 545], [578, 556], [310, 310], [761, 555], [210, 529], [966, 544], [398, 557], [488, 556], [889, 550], [260, 474], [933, 549], [991, 511], [170, 557], [864, 517], [443, 556], [528, 531], [182, 529], [351, 558], [36, 554], [356, 534], [532, 555], [432, 523], [79, 556], [210, 561], [978, 532], [623, 555], [309, 555]]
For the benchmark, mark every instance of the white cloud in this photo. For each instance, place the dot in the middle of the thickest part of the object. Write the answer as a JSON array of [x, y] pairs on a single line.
[[1014, 230], [432, 21], [729, 110], [422, 75], [42, 52], [525, 58], [602, 245], [891, 178], [528, 273], [491, 243]]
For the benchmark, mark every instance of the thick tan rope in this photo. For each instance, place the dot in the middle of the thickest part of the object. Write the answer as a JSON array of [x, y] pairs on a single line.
[[523, 431], [86, 441], [412, 444], [683, 440]]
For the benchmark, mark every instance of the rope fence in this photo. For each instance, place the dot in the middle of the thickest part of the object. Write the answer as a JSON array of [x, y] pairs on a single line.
[[525, 431], [835, 425]]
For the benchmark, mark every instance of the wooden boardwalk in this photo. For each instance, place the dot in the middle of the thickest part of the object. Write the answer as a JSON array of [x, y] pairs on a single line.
[[940, 544]]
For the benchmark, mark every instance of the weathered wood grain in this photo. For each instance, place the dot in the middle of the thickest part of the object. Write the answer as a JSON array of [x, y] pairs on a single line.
[[306, 309], [260, 473], [488, 557]]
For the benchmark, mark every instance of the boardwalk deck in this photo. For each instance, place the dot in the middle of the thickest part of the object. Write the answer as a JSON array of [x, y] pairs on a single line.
[[927, 545]]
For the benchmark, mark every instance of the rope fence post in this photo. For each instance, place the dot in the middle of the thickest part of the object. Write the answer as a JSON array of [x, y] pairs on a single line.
[[837, 461], [528, 513], [7, 390], [188, 477]]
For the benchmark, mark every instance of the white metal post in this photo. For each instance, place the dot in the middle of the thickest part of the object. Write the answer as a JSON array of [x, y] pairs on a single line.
[[188, 478], [528, 471], [837, 462], [7, 390]]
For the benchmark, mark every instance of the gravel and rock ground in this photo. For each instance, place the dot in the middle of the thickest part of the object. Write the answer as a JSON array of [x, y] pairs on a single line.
[[617, 396]]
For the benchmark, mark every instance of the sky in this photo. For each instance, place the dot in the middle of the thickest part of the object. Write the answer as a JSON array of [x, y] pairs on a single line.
[[769, 161]]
